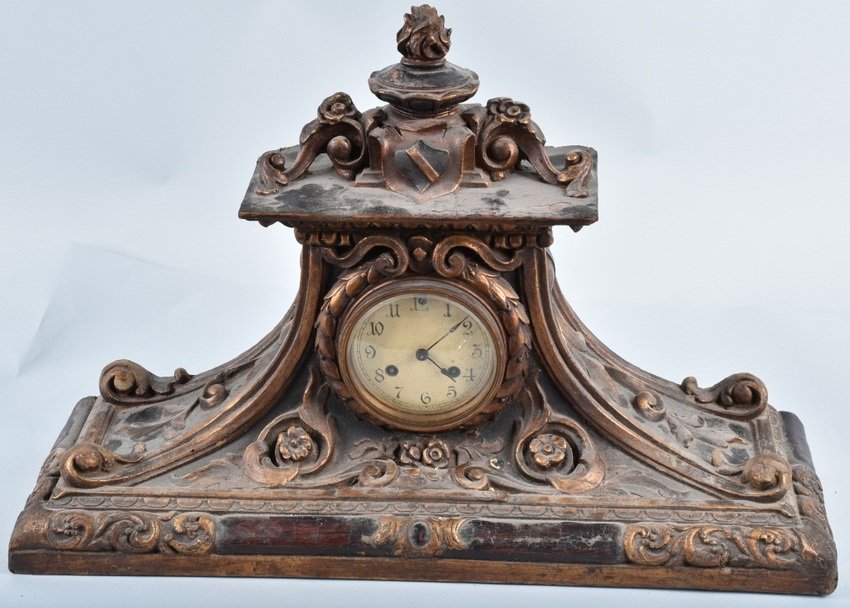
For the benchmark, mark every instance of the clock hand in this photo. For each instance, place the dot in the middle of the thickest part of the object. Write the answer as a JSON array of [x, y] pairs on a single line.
[[445, 335], [451, 373]]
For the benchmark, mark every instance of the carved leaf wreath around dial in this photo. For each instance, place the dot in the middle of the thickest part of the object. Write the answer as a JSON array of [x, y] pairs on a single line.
[[501, 295]]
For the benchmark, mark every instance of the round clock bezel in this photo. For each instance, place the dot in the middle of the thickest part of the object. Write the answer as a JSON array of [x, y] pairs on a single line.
[[368, 405]]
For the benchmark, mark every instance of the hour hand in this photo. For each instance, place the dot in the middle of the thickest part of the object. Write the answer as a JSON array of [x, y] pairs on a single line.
[[451, 372]]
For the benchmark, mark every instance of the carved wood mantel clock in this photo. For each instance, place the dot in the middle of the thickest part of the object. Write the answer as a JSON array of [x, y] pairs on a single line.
[[430, 408]]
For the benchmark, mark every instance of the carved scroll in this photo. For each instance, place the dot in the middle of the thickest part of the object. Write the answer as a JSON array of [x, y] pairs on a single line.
[[554, 449], [339, 131], [127, 532], [296, 443], [712, 546], [421, 537], [741, 396], [719, 439], [506, 135], [162, 423]]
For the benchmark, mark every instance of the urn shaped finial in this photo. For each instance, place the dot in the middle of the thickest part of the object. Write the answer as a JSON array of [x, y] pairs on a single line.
[[424, 83]]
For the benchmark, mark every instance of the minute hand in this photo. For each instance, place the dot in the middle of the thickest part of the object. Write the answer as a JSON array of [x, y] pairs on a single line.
[[451, 331]]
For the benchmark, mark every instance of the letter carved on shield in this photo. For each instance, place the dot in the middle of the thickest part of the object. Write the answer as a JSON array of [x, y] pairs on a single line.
[[424, 164]]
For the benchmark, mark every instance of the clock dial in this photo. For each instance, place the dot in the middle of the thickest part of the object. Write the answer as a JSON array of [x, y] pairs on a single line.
[[423, 354]]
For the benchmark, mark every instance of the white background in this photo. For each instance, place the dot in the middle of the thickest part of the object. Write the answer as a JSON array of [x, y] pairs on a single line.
[[128, 133]]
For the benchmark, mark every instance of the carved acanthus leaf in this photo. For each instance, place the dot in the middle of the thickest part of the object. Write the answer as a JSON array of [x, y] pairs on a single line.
[[295, 443], [554, 449]]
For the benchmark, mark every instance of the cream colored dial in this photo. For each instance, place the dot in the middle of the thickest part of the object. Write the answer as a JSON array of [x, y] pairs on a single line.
[[423, 356]]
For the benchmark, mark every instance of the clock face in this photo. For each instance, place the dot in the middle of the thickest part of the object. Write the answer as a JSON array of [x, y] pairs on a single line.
[[422, 354]]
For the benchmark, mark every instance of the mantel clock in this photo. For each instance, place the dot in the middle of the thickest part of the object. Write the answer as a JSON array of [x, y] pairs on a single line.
[[430, 407]]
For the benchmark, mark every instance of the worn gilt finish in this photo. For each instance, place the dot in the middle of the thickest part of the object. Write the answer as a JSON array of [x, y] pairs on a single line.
[[577, 467]]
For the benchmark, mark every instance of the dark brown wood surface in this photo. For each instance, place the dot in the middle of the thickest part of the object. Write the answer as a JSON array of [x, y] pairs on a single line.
[[580, 468], [323, 197]]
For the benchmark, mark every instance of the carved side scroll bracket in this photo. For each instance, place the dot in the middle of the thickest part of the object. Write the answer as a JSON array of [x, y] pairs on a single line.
[[719, 439], [741, 396], [338, 131], [145, 425], [507, 134], [127, 382]]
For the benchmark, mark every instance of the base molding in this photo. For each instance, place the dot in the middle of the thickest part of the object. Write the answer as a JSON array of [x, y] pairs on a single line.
[[814, 582]]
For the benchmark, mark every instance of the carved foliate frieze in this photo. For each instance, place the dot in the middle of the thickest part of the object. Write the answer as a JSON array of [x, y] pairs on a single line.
[[713, 546], [128, 532]]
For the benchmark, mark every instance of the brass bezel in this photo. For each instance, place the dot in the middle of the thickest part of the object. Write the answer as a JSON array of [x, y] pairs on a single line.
[[368, 405]]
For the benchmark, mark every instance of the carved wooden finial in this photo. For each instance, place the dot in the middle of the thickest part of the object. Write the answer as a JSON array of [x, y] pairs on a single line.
[[424, 38]]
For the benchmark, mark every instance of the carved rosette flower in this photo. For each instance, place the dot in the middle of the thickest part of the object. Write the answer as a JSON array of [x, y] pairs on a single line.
[[436, 454], [548, 450], [70, 530], [506, 110], [295, 444], [409, 452], [336, 107]]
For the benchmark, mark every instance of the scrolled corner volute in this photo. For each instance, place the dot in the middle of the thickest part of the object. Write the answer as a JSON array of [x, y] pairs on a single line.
[[740, 396], [88, 465], [125, 382]]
